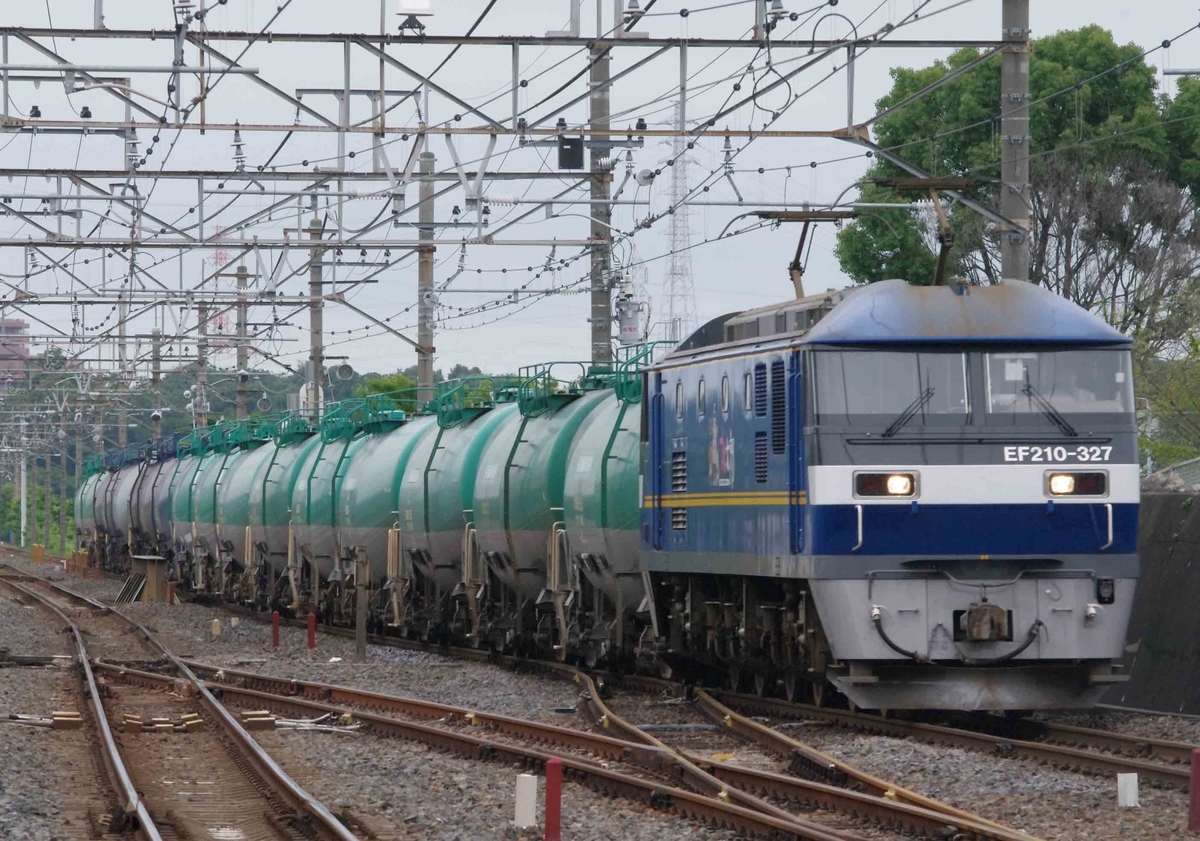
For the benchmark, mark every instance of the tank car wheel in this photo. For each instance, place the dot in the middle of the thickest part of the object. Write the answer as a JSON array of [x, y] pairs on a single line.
[[820, 692], [735, 677], [791, 685], [760, 685]]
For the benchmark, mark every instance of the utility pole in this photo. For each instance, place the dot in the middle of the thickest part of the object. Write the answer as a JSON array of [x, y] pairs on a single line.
[[33, 487], [243, 349], [316, 322], [62, 486], [122, 354], [200, 401], [99, 439], [1015, 139], [425, 279], [155, 382], [601, 212], [48, 502], [24, 484], [78, 456]]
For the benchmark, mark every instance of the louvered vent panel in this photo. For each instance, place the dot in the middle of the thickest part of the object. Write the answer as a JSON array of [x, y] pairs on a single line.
[[778, 407], [760, 457], [679, 519], [760, 390], [678, 472]]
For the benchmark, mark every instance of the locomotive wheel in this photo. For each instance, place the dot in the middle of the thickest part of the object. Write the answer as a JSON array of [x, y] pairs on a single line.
[[820, 692], [735, 677]]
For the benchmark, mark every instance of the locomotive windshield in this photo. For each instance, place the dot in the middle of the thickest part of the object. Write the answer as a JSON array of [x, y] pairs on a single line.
[[890, 390], [1069, 381], [884, 388]]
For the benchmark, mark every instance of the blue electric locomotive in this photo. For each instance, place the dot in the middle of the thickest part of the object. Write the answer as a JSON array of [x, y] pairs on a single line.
[[927, 496]]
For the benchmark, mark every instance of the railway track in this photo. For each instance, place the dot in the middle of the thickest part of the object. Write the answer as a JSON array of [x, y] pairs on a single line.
[[243, 793], [705, 798], [1067, 747], [816, 780], [636, 748], [825, 783]]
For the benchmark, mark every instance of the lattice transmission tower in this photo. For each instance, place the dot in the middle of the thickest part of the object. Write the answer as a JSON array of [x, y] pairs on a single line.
[[679, 288]]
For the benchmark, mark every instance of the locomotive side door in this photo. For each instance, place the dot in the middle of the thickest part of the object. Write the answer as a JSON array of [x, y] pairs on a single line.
[[797, 472]]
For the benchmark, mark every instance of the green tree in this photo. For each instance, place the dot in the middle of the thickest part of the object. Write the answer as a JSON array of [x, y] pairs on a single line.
[[1113, 174], [385, 384]]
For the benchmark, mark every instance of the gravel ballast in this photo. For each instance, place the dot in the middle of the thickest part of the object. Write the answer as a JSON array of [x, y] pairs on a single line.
[[1144, 725], [187, 630], [1047, 802], [410, 792]]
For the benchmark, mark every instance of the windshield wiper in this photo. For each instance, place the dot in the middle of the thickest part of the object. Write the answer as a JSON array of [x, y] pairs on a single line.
[[919, 403], [1048, 410]]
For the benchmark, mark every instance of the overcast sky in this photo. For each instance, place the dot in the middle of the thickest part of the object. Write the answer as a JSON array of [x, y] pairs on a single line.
[[746, 271]]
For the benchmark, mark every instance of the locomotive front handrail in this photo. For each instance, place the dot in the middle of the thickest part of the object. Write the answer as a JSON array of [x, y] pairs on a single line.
[[1109, 509], [858, 510]]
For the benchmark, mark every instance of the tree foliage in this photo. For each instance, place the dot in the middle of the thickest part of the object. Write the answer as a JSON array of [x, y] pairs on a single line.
[[1114, 179]]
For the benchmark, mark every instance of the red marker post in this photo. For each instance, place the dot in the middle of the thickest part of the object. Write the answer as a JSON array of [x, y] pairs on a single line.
[[1194, 810], [312, 630], [553, 799], [275, 629]]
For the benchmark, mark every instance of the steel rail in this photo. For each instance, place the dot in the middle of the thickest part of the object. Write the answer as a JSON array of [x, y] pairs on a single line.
[[689, 804], [812, 762], [1070, 735], [710, 788], [328, 825], [604, 746], [884, 810], [1060, 756], [122, 783], [788, 746]]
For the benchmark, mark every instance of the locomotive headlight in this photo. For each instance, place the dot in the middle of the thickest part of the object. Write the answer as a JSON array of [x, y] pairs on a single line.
[[885, 484], [1091, 483], [1062, 484]]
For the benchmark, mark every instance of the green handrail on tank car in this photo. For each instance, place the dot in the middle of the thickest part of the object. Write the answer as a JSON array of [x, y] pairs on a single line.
[[461, 401]]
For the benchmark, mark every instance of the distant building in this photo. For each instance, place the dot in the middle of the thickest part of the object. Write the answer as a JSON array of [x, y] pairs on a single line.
[[14, 349]]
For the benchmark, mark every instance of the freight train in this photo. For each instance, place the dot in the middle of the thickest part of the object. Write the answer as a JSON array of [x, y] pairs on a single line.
[[916, 497]]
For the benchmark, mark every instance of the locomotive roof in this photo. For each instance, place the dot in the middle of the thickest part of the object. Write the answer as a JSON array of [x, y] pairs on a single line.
[[1010, 311]]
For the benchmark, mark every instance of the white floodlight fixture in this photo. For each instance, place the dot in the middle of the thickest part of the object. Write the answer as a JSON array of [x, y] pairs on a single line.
[[411, 11]]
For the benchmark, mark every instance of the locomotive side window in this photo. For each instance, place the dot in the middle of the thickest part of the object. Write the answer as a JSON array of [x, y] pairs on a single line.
[[700, 395], [725, 395], [748, 392], [679, 400]]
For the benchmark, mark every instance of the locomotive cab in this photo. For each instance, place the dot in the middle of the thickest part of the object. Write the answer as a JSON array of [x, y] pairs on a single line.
[[926, 495]]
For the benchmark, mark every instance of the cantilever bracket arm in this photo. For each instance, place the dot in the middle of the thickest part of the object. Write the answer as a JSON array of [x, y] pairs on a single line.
[[340, 298], [979, 207]]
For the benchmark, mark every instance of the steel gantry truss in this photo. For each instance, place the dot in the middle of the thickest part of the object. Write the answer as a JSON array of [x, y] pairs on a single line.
[[150, 224]]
